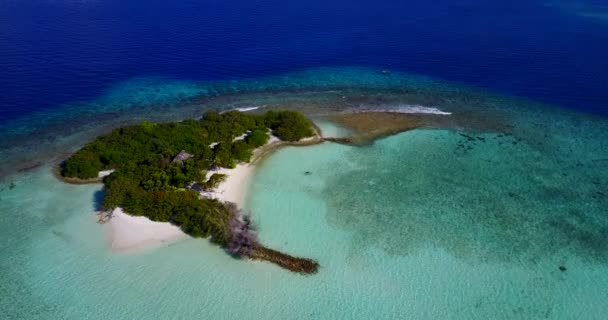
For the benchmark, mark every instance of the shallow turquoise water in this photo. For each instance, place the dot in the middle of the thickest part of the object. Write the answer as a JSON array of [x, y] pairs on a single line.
[[426, 224], [403, 229]]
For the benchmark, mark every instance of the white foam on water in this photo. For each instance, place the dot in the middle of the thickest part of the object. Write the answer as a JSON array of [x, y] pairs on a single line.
[[407, 108]]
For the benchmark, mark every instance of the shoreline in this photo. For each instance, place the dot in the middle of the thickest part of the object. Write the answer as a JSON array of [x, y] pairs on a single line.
[[57, 174], [133, 234], [129, 234], [234, 188]]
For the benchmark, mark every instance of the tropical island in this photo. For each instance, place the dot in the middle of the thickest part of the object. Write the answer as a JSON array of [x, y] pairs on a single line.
[[185, 177], [163, 171]]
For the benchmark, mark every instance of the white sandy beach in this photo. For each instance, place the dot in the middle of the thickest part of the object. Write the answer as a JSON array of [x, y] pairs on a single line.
[[234, 188], [130, 234]]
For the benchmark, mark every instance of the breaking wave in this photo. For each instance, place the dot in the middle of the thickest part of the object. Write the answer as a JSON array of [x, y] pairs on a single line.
[[405, 108]]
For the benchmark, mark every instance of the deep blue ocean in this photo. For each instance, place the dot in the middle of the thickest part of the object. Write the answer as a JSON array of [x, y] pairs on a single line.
[[54, 52]]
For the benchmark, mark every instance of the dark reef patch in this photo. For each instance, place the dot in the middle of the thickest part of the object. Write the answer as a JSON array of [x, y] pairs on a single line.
[[491, 200]]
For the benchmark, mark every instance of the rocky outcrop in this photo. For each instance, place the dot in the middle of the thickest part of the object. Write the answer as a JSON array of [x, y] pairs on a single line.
[[283, 260], [245, 244], [104, 216], [344, 140]]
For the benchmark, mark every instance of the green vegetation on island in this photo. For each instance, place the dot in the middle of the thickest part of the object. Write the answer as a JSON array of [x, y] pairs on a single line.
[[159, 167], [210, 140]]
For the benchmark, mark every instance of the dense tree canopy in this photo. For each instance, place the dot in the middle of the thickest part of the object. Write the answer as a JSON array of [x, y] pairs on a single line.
[[150, 142], [147, 182], [289, 125]]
